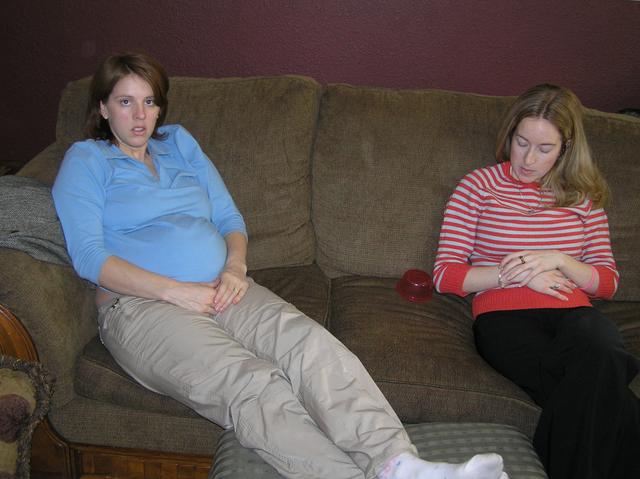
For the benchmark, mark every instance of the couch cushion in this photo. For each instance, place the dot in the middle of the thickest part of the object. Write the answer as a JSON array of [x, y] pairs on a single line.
[[306, 287], [44, 166], [257, 131], [423, 356], [99, 377], [615, 142], [435, 442], [385, 162], [626, 315], [87, 421]]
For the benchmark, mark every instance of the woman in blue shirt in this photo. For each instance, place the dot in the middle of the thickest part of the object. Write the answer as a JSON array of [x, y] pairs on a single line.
[[149, 220]]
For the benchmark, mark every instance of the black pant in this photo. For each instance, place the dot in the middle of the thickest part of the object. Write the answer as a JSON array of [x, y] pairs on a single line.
[[574, 366]]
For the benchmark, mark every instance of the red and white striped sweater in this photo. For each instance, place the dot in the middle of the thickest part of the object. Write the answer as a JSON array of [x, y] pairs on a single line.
[[491, 214]]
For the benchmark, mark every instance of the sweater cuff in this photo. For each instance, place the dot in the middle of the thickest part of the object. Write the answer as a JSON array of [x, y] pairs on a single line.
[[607, 280], [453, 279]]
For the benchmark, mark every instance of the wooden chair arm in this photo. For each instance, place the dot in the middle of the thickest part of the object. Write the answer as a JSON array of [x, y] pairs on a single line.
[[15, 340]]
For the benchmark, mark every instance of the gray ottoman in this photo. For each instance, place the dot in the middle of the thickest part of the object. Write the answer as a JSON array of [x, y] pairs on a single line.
[[450, 442]]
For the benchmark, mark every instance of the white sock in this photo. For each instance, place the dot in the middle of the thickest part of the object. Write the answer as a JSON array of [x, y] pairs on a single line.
[[408, 466]]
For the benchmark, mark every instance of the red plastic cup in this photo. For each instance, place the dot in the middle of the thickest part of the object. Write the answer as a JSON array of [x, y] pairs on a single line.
[[415, 286]]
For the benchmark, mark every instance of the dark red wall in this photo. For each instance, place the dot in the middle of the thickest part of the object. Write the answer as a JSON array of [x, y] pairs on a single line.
[[483, 46]]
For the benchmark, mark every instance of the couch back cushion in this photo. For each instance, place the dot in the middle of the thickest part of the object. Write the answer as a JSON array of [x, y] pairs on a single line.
[[615, 143], [386, 161], [257, 131]]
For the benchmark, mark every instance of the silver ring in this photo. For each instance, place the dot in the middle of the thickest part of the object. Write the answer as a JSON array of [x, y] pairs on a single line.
[[522, 259], [555, 286]]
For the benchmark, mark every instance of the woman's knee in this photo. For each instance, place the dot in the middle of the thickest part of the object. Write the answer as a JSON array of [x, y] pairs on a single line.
[[323, 347], [590, 330], [221, 396]]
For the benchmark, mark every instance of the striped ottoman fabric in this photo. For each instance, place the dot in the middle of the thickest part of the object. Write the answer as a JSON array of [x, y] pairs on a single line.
[[450, 442]]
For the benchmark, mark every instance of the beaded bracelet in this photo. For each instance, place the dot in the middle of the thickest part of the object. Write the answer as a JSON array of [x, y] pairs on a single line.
[[501, 283]]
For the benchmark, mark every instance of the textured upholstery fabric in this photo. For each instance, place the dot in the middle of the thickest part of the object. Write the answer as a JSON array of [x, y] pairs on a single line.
[[44, 166], [56, 307], [423, 356], [304, 286], [259, 133], [88, 421], [615, 142], [626, 315], [99, 377], [28, 220], [451, 442], [385, 162]]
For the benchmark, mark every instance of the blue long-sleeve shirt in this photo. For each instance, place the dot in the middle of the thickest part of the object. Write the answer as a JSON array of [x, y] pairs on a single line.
[[173, 224]]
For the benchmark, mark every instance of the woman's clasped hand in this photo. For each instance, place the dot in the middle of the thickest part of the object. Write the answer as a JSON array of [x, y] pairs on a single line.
[[539, 270]]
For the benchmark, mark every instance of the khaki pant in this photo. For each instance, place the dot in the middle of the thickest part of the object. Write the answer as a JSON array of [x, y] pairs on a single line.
[[291, 391]]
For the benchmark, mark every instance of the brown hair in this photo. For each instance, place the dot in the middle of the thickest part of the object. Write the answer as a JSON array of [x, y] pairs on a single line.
[[110, 71], [574, 177]]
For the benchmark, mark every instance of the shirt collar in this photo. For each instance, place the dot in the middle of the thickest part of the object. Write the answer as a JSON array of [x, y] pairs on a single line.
[[506, 169], [158, 147], [111, 151]]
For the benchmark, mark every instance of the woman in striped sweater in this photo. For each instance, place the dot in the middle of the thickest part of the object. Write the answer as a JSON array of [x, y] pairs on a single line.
[[530, 237]]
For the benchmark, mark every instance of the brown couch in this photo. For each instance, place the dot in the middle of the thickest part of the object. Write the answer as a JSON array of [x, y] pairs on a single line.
[[342, 189]]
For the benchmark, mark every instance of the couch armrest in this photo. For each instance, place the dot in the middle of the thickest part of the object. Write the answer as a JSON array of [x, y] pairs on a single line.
[[48, 314], [44, 166], [14, 338], [49, 453]]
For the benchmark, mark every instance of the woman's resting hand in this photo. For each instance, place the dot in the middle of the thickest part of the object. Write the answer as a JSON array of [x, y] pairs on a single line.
[[523, 267], [553, 283], [230, 287], [526, 265], [197, 297]]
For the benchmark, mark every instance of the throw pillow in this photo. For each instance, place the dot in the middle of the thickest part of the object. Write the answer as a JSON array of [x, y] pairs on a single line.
[[25, 392]]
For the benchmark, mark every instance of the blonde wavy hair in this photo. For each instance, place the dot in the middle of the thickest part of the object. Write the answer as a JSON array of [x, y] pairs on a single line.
[[574, 177]]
